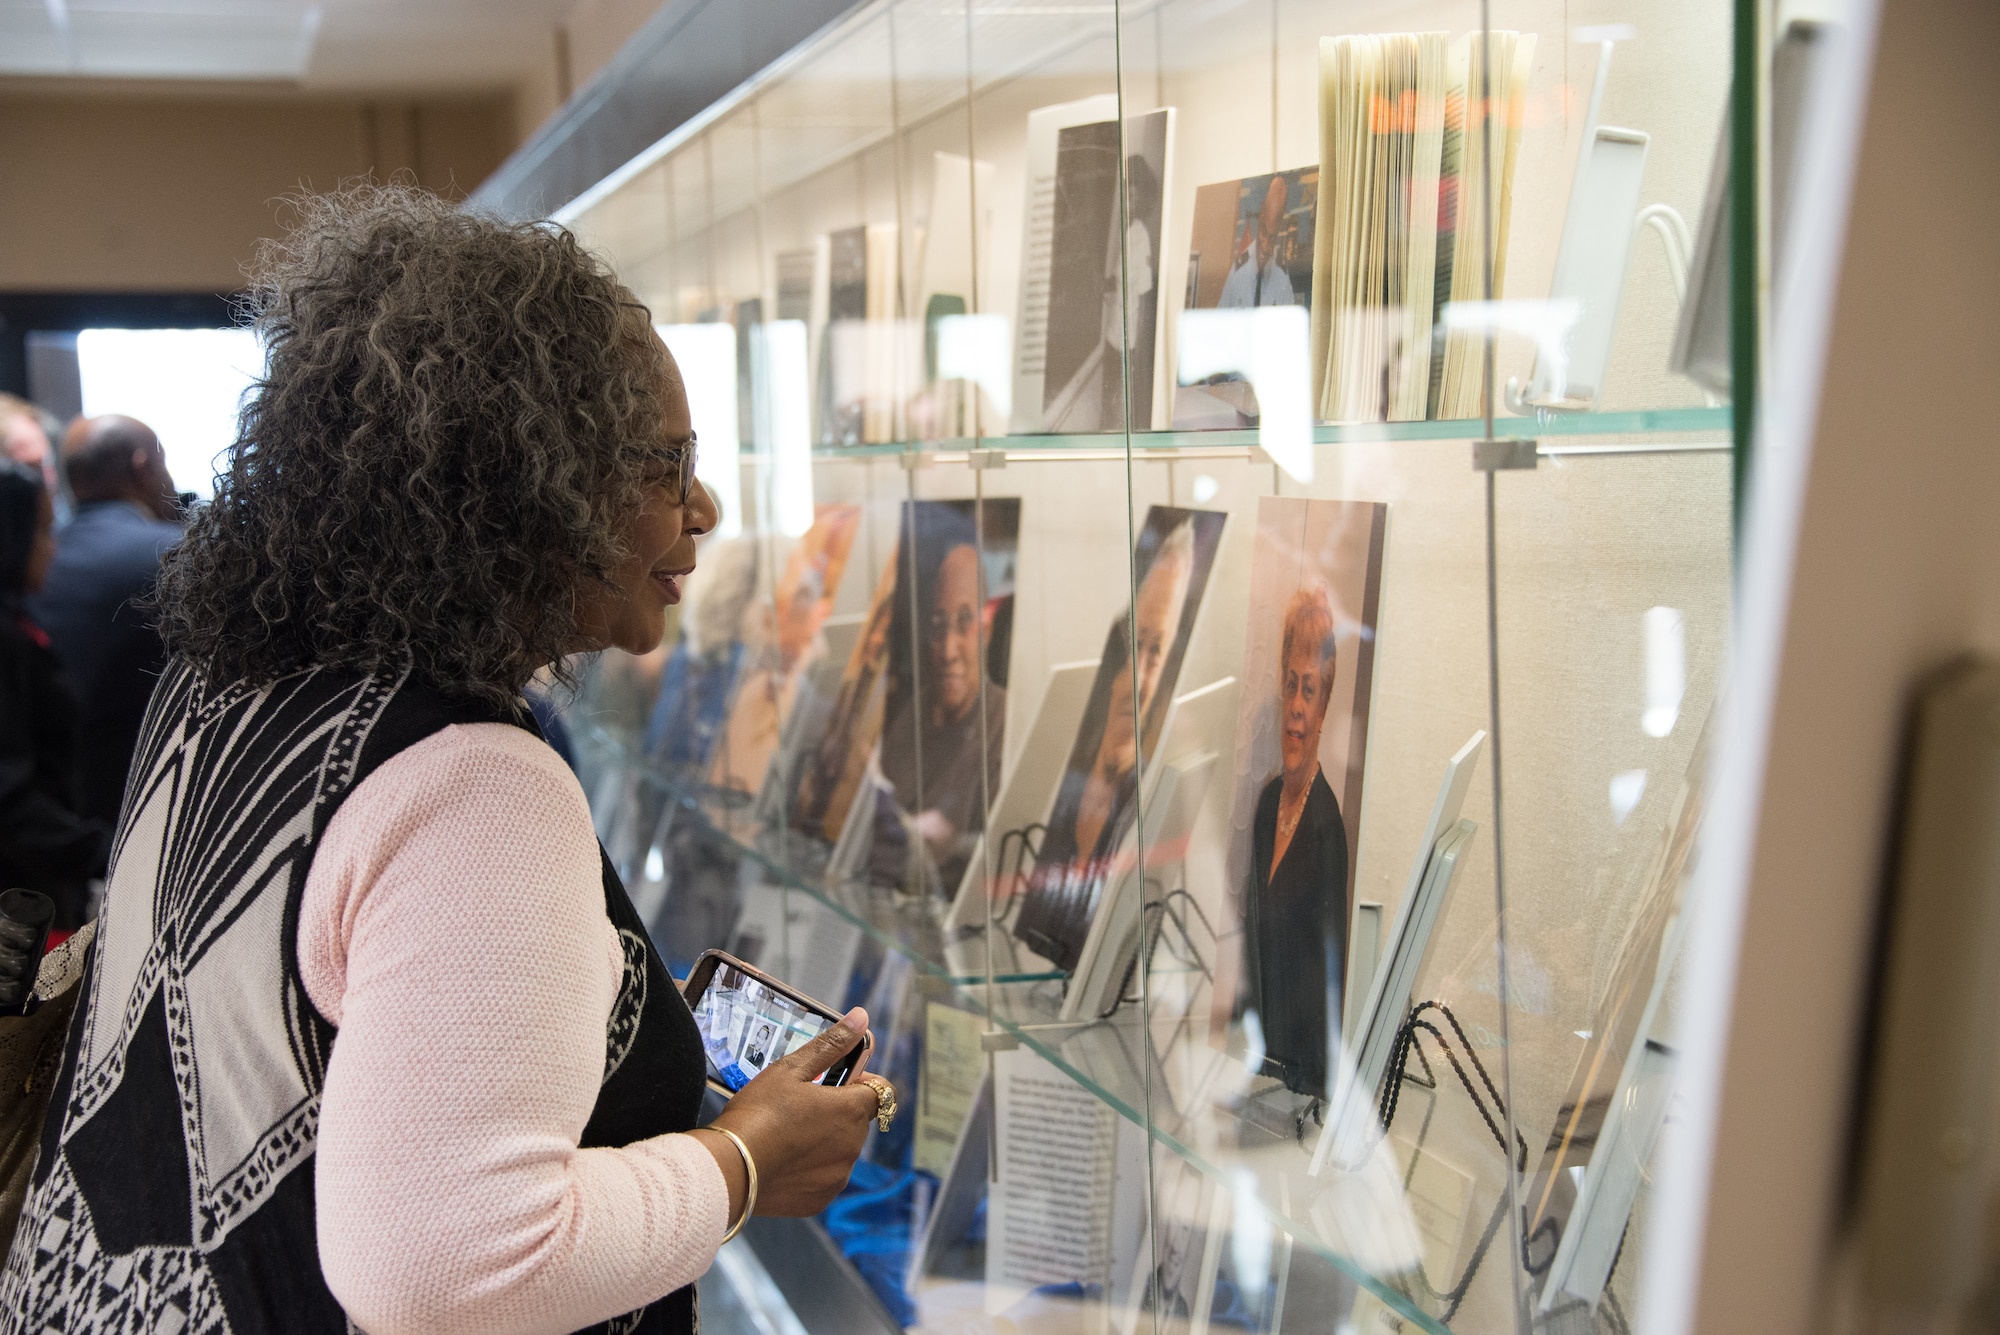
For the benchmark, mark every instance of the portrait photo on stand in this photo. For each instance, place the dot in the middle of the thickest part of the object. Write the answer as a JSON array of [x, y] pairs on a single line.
[[1098, 797], [945, 706], [1295, 813], [883, 686], [1253, 241], [833, 763], [783, 636]]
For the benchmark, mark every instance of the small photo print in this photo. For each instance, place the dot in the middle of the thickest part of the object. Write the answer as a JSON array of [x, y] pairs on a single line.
[[945, 704], [1253, 241], [780, 640], [1252, 245]]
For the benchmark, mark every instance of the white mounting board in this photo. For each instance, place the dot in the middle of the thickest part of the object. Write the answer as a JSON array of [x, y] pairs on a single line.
[[1190, 738], [1409, 934], [1029, 789]]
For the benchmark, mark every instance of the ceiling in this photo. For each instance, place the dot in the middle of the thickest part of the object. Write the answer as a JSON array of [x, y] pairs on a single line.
[[320, 45]]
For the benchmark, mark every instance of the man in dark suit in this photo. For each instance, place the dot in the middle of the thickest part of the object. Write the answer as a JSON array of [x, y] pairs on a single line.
[[107, 560]]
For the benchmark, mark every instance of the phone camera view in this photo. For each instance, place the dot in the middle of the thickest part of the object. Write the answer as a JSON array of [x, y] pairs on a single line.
[[745, 1026]]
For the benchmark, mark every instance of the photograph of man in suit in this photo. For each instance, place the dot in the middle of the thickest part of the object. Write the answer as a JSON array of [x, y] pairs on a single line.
[[758, 1053]]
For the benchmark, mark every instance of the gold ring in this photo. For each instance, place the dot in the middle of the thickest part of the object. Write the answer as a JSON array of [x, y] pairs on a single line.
[[885, 1100]]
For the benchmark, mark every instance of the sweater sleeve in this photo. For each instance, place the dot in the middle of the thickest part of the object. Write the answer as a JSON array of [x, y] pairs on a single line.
[[453, 929]]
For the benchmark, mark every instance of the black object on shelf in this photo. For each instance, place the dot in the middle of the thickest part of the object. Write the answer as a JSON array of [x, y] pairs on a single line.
[[25, 916], [1408, 1045]]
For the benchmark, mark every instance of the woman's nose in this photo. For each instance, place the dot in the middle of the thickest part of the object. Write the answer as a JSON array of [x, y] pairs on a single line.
[[704, 511]]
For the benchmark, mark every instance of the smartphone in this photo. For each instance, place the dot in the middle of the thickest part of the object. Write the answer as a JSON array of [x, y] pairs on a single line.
[[749, 1020]]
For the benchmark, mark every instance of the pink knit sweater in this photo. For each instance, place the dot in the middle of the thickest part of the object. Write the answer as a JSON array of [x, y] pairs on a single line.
[[453, 928]]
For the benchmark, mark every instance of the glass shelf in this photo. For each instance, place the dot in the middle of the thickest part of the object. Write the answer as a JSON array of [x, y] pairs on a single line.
[[1104, 1056], [1657, 430]]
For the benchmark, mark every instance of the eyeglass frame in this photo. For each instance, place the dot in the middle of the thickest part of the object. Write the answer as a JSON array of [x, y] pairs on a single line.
[[686, 451], [938, 627]]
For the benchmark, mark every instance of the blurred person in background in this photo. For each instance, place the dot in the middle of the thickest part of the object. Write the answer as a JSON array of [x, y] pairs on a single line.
[[700, 676], [27, 436], [46, 842], [95, 603]]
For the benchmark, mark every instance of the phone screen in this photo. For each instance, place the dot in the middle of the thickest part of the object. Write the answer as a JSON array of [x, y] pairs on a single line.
[[745, 1026]]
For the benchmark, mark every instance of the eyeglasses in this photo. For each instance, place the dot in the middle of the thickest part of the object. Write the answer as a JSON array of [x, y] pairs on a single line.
[[681, 470], [943, 624]]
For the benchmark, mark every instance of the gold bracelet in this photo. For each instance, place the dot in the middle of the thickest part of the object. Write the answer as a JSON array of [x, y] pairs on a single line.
[[750, 1192]]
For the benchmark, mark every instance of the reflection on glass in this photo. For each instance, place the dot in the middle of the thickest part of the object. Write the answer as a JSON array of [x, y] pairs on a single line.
[[706, 356], [784, 424]]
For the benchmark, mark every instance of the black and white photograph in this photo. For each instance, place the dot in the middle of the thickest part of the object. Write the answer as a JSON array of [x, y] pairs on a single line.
[[1301, 756], [745, 1026], [1104, 315]]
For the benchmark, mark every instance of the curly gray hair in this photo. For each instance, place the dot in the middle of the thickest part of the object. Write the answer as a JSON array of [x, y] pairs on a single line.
[[456, 415]]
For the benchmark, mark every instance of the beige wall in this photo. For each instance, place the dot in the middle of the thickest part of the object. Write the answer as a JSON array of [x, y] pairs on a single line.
[[164, 187], [135, 191]]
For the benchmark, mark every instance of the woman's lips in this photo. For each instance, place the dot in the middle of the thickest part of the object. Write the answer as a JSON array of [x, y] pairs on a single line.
[[669, 582]]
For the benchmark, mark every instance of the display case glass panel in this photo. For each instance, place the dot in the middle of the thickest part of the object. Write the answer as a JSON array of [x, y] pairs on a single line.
[[1224, 574]]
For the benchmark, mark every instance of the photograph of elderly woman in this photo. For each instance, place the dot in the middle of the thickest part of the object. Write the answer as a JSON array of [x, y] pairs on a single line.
[[1301, 751], [1094, 806]]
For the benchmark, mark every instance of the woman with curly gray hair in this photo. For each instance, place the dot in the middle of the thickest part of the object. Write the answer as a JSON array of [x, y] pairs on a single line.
[[372, 1036]]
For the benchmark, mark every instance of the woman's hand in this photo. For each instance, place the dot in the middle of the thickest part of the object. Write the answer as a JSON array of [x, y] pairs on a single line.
[[804, 1137]]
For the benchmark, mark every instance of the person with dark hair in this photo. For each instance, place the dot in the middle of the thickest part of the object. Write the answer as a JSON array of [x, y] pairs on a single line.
[[46, 842], [936, 755], [374, 1038], [95, 604], [27, 436]]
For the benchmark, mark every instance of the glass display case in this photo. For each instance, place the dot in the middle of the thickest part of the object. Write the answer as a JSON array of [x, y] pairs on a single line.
[[1224, 571]]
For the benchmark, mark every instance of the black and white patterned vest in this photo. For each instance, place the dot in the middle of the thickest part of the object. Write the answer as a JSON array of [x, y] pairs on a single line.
[[175, 1187]]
